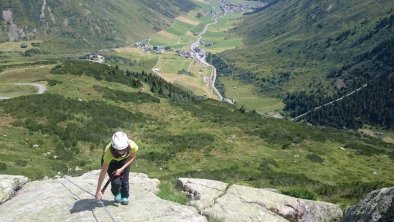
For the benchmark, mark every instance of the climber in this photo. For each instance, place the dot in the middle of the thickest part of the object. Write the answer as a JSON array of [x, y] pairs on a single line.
[[116, 160]]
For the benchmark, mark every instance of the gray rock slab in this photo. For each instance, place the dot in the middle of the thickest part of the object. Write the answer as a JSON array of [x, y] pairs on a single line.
[[201, 192], [9, 185], [376, 206], [61, 200], [242, 203]]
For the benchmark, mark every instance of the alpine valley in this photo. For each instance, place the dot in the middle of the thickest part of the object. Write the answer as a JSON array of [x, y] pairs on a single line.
[[291, 95]]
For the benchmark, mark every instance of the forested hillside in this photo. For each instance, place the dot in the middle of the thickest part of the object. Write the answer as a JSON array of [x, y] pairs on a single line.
[[89, 24], [370, 80], [311, 52]]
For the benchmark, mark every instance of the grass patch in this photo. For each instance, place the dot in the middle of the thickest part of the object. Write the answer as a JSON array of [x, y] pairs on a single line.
[[220, 36], [169, 192], [300, 193], [132, 59], [214, 219], [171, 63], [315, 158], [246, 95]]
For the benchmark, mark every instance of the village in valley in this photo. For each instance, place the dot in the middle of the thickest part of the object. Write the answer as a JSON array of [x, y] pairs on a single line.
[[225, 7], [191, 45]]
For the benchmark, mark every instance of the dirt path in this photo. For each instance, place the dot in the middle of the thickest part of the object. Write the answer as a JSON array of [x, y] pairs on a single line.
[[40, 87]]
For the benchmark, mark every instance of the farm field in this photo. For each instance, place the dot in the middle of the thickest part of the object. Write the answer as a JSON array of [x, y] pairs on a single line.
[[181, 33], [245, 95], [219, 34], [187, 73]]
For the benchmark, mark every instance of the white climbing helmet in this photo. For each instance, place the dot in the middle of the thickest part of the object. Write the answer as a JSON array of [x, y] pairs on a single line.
[[120, 140]]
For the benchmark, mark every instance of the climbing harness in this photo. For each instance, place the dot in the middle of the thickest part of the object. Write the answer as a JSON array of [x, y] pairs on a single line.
[[102, 190]]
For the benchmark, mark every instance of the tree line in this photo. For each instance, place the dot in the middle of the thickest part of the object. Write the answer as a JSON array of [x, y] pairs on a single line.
[[133, 79]]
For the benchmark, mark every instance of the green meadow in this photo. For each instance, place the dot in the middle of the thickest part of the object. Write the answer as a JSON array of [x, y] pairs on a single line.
[[131, 59], [221, 37], [171, 63], [245, 95]]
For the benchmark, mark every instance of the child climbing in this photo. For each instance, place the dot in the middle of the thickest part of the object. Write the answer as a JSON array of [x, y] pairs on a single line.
[[116, 161]]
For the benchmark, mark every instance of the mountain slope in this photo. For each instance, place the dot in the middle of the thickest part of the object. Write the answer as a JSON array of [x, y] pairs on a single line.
[[306, 46], [91, 23], [300, 34], [65, 130]]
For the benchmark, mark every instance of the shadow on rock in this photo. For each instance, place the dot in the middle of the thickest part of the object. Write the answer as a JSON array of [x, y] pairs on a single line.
[[89, 205]]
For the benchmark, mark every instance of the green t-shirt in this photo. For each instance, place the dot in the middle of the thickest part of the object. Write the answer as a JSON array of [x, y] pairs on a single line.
[[108, 157]]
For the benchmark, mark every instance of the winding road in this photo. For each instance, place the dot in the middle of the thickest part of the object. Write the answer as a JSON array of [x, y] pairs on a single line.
[[41, 89], [201, 59]]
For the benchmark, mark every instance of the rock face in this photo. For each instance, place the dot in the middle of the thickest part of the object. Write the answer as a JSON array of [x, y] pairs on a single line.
[[13, 32], [71, 199], [9, 185], [61, 200], [240, 203], [376, 206]]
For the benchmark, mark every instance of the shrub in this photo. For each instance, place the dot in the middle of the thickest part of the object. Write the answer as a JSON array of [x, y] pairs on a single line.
[[169, 192], [32, 52], [117, 95], [52, 82], [300, 193], [3, 166], [20, 163], [315, 158], [156, 157], [35, 44], [178, 143]]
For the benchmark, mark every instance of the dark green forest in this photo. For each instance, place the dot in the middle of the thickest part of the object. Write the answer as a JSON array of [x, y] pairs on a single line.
[[373, 104]]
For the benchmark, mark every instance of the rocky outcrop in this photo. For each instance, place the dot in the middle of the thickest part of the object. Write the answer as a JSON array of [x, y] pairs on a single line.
[[9, 185], [376, 206], [72, 199], [14, 33], [240, 203]]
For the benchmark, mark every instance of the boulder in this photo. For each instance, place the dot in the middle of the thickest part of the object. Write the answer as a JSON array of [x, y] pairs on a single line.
[[71, 199], [242, 203], [9, 185], [376, 206], [201, 192]]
